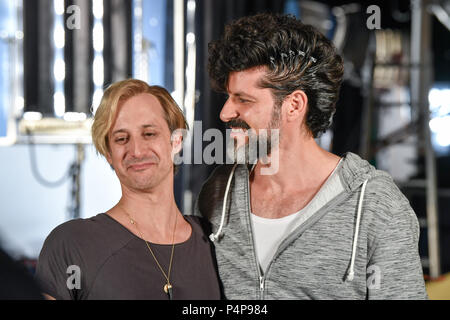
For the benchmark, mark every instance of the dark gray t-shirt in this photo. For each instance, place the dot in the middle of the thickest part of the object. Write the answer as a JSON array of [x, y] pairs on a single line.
[[116, 264]]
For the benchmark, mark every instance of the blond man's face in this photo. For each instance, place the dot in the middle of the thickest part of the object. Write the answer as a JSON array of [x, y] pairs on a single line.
[[140, 144]]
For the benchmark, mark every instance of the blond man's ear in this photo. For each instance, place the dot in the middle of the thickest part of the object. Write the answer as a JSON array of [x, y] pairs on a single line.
[[177, 141]]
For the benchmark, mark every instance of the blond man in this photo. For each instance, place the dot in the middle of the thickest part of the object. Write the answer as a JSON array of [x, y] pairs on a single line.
[[143, 247]]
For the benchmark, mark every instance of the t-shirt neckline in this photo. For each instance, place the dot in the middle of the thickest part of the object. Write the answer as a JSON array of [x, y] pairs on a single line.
[[191, 237]]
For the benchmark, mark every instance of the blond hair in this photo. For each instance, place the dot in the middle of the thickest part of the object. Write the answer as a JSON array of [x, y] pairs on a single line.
[[122, 91]]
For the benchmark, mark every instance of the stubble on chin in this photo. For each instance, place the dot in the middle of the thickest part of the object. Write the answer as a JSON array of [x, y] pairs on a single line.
[[148, 179]]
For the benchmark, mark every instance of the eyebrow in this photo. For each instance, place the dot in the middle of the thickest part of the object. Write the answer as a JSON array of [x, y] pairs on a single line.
[[145, 126], [243, 94]]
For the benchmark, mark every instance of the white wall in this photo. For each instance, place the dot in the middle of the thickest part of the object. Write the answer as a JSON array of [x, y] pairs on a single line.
[[29, 211]]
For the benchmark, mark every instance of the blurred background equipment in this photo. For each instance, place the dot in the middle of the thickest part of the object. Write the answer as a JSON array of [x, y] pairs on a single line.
[[17, 283], [11, 99], [58, 56]]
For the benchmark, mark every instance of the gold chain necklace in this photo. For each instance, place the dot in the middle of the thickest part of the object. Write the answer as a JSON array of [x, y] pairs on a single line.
[[168, 285]]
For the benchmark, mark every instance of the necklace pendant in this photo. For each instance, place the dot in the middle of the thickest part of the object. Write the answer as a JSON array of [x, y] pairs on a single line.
[[168, 290]]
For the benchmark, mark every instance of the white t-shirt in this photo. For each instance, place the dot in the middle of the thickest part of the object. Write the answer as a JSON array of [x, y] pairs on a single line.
[[269, 233]]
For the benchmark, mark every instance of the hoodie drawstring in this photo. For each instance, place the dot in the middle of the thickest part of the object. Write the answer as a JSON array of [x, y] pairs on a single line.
[[213, 237], [351, 273]]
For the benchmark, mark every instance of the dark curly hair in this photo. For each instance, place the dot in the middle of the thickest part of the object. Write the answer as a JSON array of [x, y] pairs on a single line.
[[297, 57]]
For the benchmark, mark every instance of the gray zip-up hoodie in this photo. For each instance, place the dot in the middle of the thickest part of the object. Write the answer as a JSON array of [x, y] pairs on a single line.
[[363, 244]]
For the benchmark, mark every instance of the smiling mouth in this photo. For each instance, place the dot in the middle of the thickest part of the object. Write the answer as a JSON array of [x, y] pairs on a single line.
[[239, 129], [140, 166], [233, 129], [238, 132]]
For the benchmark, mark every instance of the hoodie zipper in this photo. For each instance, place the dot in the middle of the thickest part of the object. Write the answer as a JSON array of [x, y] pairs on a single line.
[[261, 287], [261, 277]]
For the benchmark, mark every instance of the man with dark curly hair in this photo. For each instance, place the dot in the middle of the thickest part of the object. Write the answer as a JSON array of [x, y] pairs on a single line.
[[319, 226]]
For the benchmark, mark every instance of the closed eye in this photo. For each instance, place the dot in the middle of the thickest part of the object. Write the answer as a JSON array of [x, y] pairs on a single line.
[[149, 134]]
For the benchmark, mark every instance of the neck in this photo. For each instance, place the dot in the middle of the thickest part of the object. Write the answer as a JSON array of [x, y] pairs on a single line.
[[301, 165], [153, 210]]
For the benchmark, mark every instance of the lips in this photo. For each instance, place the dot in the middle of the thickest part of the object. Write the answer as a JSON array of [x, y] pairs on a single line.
[[140, 166]]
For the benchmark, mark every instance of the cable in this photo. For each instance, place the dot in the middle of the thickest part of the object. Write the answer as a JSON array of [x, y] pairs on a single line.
[[35, 171]]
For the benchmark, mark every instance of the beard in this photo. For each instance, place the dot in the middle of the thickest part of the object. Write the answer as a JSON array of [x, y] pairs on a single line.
[[253, 146]]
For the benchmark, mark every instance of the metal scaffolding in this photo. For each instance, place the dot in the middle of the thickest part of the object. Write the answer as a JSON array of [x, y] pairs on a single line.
[[421, 73]]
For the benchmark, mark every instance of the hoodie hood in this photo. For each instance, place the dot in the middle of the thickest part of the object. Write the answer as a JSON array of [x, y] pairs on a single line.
[[355, 171]]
